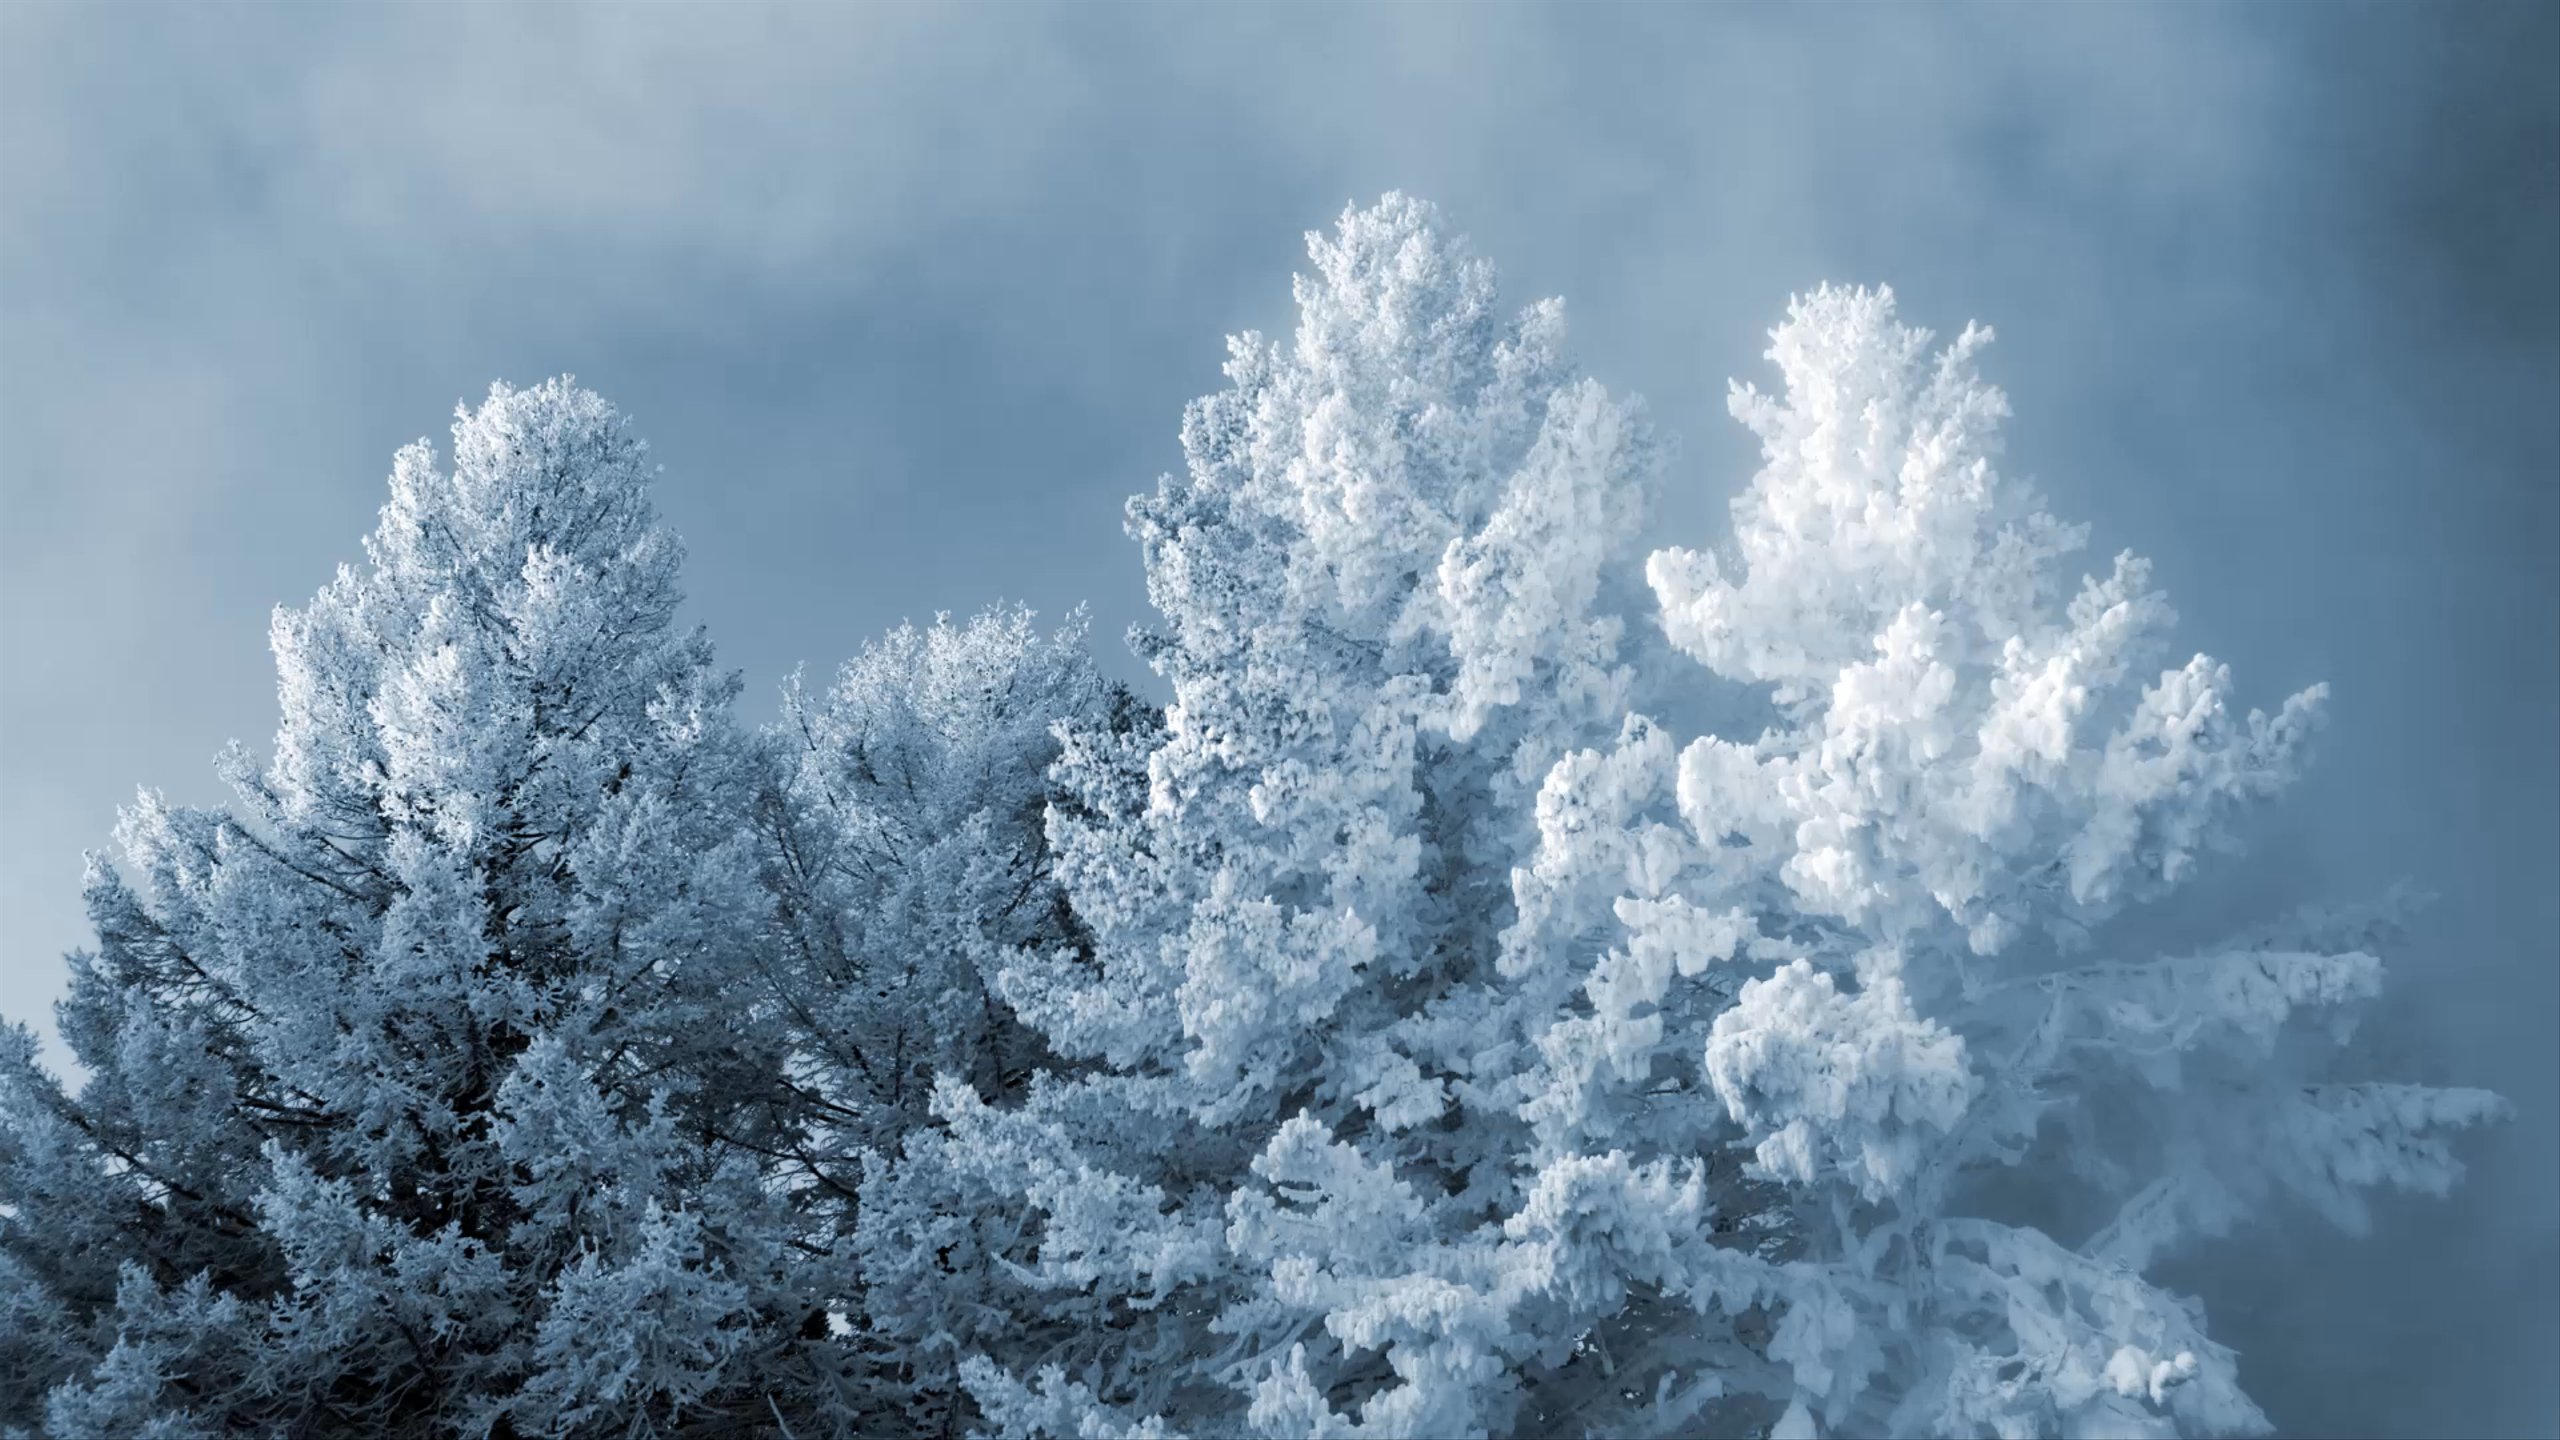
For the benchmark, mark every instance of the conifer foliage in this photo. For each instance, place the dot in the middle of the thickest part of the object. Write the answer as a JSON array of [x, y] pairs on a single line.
[[412, 1079], [1513, 984]]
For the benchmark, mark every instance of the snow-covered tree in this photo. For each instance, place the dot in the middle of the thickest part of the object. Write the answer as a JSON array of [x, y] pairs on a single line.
[[911, 853], [1874, 937], [906, 845], [421, 1098], [1390, 584]]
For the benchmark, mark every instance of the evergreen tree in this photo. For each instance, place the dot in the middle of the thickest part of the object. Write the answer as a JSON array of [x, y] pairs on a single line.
[[1388, 584], [907, 851], [1985, 1120], [420, 1099]]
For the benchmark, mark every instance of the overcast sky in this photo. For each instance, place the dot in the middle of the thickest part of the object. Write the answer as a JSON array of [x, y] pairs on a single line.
[[908, 299]]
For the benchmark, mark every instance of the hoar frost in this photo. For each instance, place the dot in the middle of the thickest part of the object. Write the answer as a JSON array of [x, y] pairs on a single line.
[[1514, 983]]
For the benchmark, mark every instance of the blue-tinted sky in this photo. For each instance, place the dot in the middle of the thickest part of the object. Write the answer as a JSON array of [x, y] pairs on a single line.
[[910, 298]]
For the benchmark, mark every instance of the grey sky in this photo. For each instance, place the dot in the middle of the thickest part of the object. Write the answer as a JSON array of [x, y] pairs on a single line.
[[908, 298]]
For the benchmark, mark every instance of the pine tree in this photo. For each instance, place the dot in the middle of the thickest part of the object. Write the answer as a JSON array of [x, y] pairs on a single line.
[[419, 1098], [1388, 586], [1980, 1118], [906, 845]]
